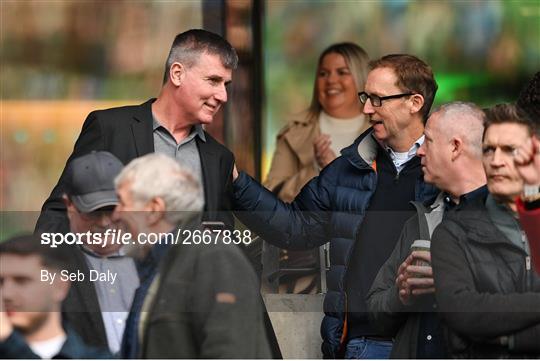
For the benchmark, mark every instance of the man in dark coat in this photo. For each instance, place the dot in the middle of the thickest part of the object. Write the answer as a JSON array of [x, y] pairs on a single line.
[[402, 300], [358, 203], [198, 296], [198, 69], [96, 309], [486, 289]]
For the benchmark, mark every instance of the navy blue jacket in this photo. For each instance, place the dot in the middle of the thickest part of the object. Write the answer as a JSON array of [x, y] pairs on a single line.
[[15, 347], [330, 208]]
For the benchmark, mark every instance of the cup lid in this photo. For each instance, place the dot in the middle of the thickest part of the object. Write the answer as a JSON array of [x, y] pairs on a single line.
[[421, 243]]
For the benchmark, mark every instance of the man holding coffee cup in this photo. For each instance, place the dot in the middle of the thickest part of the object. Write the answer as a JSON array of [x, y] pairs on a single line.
[[401, 300]]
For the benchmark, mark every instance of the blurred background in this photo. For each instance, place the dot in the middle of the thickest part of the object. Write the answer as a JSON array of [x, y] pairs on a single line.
[[61, 59]]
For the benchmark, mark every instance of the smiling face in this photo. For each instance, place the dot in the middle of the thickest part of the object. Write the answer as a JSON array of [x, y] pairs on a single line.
[[336, 87], [500, 141], [202, 89], [394, 115]]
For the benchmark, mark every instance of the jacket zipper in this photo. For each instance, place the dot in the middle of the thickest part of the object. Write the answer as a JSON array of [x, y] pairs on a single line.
[[528, 273]]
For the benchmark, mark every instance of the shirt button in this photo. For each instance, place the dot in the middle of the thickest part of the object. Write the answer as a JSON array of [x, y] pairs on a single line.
[[112, 290], [429, 337], [119, 321], [434, 306]]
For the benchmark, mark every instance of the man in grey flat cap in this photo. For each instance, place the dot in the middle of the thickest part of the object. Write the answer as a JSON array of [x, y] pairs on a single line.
[[97, 309]]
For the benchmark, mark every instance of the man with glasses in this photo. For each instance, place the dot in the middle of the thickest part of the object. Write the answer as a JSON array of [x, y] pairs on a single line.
[[359, 203], [96, 309]]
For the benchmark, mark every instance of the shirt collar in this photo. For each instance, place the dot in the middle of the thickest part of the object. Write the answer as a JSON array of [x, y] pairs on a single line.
[[412, 150], [465, 198], [196, 130]]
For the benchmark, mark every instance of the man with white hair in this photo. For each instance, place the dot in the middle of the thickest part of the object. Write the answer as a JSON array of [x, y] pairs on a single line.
[[401, 301], [195, 300]]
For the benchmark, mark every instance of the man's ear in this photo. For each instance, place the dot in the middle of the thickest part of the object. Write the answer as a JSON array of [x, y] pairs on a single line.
[[70, 207], [177, 72], [417, 101], [457, 148], [156, 210]]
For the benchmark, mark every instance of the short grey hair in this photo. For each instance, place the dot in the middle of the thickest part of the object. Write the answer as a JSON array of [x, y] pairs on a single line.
[[465, 120], [188, 46], [157, 175]]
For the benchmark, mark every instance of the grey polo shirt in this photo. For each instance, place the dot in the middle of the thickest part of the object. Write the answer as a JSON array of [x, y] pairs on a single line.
[[186, 152], [114, 299]]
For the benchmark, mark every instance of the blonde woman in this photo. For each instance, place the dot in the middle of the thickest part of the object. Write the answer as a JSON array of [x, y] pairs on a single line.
[[333, 121], [305, 146]]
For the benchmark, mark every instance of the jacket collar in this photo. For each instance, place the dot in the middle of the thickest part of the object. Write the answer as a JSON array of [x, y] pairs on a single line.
[[474, 219], [75, 348], [363, 151]]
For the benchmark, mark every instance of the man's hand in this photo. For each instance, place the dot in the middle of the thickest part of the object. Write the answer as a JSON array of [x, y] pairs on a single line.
[[5, 325], [323, 153], [234, 173], [527, 161], [404, 291], [414, 280], [420, 277]]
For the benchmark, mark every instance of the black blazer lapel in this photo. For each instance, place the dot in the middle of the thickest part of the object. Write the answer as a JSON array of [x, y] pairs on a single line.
[[211, 175], [142, 129], [81, 307]]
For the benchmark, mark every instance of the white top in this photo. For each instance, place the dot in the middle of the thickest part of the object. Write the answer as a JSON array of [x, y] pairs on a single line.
[[49, 348], [342, 132]]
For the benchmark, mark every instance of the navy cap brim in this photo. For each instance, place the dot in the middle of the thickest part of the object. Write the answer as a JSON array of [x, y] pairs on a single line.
[[92, 201]]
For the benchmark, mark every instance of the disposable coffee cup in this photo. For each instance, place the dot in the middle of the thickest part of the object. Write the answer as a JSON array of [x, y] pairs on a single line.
[[421, 245]]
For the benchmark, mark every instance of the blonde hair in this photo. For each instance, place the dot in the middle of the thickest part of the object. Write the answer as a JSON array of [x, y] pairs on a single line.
[[357, 60]]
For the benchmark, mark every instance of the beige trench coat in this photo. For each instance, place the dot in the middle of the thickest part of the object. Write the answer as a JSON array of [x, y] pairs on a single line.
[[293, 163]]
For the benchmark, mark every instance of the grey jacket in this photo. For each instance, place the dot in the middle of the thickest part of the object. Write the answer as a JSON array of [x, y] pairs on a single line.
[[206, 305]]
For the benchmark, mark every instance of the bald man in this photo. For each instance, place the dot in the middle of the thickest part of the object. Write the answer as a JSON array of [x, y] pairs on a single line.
[[401, 300]]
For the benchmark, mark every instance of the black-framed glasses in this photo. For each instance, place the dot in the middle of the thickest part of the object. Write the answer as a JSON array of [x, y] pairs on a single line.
[[376, 100]]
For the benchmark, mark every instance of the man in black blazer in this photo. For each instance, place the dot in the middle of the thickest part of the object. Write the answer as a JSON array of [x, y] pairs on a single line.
[[198, 69]]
